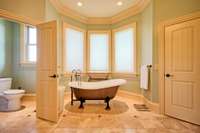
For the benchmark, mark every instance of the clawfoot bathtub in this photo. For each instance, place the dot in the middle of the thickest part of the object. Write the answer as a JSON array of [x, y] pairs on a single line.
[[102, 90]]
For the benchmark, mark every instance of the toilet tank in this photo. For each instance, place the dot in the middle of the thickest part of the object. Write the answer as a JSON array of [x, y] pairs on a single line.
[[5, 84]]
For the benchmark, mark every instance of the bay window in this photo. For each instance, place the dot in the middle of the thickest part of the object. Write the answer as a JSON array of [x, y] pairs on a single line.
[[99, 51], [124, 49], [74, 49], [100, 54]]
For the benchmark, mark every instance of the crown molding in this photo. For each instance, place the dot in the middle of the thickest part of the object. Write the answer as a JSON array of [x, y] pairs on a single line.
[[18, 18], [99, 21], [68, 12], [135, 9]]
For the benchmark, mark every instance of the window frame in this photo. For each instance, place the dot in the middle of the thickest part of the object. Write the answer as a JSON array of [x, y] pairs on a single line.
[[24, 45], [132, 25], [64, 62], [109, 50]]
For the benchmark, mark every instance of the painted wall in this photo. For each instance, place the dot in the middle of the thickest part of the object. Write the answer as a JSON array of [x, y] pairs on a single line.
[[5, 48], [147, 35], [23, 76], [29, 8], [147, 43], [10, 57]]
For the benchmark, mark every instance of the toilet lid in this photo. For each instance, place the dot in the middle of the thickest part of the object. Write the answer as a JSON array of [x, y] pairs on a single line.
[[10, 92]]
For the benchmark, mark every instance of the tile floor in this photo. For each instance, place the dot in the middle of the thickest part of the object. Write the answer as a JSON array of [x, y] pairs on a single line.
[[122, 118]]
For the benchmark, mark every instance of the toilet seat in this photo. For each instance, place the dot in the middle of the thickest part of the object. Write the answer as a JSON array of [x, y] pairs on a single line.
[[13, 92]]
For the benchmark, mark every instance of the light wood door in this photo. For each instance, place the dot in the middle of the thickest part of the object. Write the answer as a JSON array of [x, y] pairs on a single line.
[[182, 71], [47, 83]]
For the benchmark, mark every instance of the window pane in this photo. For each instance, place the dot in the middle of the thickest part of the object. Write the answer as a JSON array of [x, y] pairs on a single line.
[[32, 35], [74, 44], [99, 52], [32, 53], [124, 51]]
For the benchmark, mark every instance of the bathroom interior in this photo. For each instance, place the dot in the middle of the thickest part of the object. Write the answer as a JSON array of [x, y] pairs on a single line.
[[69, 66]]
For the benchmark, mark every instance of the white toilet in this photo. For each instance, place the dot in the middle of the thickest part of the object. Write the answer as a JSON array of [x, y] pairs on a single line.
[[10, 99]]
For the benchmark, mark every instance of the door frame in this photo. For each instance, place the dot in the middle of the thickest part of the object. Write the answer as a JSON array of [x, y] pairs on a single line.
[[161, 53]]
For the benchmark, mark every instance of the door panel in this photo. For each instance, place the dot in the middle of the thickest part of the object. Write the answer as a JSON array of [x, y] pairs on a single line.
[[182, 63], [47, 89]]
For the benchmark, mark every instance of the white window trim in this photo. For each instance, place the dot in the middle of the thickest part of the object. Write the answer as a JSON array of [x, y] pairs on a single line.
[[135, 71], [88, 50], [23, 34], [66, 25]]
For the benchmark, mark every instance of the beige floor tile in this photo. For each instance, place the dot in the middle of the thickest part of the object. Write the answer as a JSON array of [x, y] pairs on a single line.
[[42, 130], [122, 118]]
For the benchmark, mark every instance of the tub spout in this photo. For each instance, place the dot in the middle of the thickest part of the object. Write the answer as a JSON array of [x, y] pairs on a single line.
[[76, 74]]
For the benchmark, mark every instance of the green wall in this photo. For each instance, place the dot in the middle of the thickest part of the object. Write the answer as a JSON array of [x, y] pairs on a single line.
[[147, 44], [10, 66], [5, 48], [23, 76]]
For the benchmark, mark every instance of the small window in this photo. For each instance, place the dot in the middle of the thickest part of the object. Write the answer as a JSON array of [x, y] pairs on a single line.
[[31, 41], [99, 51], [29, 44], [124, 50], [74, 47]]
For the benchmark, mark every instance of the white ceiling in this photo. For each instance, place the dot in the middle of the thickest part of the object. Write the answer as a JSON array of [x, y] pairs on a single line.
[[98, 8]]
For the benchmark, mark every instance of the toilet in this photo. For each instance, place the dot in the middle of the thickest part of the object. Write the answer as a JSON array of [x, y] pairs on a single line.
[[10, 99]]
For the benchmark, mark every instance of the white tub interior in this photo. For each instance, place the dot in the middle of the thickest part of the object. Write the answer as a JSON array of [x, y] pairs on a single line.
[[97, 85]]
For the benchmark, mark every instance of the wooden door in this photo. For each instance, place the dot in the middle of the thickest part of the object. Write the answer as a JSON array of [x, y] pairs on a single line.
[[47, 88], [182, 71]]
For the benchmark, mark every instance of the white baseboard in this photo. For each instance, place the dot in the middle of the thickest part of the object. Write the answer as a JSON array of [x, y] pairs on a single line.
[[30, 94], [153, 106], [130, 95]]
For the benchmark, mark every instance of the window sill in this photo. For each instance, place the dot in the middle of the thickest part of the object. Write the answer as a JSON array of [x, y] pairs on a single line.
[[126, 75], [98, 72]]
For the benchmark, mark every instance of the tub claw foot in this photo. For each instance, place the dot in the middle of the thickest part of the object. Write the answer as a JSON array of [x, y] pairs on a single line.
[[107, 103], [81, 103], [107, 108]]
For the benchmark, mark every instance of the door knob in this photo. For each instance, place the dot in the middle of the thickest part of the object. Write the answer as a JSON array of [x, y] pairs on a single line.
[[168, 75], [53, 76]]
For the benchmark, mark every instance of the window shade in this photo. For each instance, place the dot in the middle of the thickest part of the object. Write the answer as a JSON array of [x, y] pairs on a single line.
[[124, 50], [74, 50], [32, 33], [30, 47], [99, 52]]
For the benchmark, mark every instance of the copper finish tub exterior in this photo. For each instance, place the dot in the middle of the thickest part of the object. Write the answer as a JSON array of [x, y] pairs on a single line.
[[103, 90], [95, 94]]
